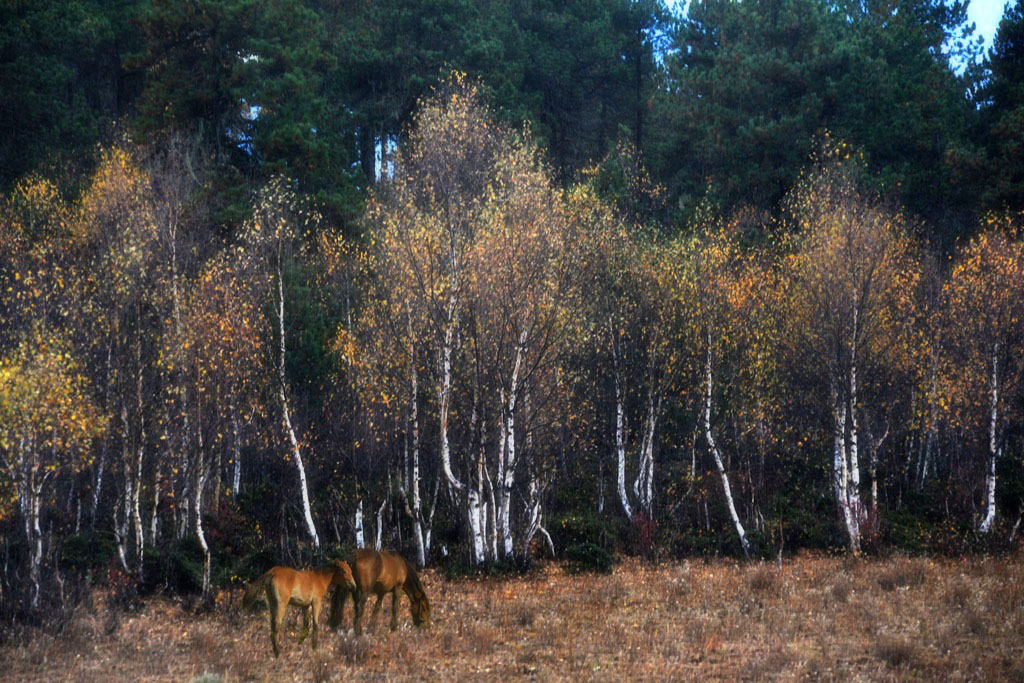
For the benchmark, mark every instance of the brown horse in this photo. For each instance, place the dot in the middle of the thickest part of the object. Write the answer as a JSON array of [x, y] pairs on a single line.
[[306, 589], [381, 573]]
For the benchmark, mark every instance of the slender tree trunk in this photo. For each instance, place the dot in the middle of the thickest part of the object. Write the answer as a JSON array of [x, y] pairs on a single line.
[[154, 517], [643, 486], [444, 398], [197, 511], [509, 470], [993, 446], [856, 506], [123, 507], [719, 464], [534, 513], [236, 453], [360, 539], [380, 525], [140, 541], [98, 488], [307, 511], [492, 529], [930, 437], [841, 475], [30, 505], [412, 464], [620, 432], [474, 485]]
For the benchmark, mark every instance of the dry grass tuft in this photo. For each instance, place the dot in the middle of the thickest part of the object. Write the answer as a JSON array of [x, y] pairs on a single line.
[[896, 652], [975, 623], [762, 580], [841, 590], [354, 650], [958, 596], [904, 573]]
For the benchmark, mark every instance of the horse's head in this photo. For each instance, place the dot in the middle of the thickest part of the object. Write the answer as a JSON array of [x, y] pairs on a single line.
[[420, 611], [343, 575]]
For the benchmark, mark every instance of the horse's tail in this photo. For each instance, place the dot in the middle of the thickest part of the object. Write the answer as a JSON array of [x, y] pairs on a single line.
[[421, 609], [254, 589], [338, 606]]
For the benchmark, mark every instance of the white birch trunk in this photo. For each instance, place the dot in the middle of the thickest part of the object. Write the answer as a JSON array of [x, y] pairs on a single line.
[[508, 473], [993, 447], [380, 525], [154, 517], [140, 541], [533, 512], [643, 486], [296, 454], [492, 529], [97, 490], [476, 529], [360, 540], [620, 437], [841, 475], [198, 520], [413, 462], [444, 391], [719, 464], [505, 484], [236, 455], [853, 492]]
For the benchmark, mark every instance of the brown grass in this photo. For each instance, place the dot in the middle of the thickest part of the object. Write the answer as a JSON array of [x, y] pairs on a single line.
[[812, 618]]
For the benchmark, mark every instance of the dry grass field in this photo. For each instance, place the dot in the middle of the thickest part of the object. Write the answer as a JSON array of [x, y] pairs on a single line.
[[816, 618]]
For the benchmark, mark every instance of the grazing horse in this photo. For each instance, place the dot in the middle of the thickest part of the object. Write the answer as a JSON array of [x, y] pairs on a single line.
[[381, 573], [306, 589]]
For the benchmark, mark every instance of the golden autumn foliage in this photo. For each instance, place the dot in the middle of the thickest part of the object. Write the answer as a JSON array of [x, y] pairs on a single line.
[[47, 417], [983, 323]]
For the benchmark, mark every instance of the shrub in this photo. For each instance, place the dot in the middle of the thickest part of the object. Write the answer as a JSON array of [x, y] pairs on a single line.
[[645, 535], [577, 528], [83, 552], [587, 557], [178, 565]]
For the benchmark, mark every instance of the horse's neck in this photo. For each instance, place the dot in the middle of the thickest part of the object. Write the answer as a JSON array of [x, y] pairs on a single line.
[[411, 586]]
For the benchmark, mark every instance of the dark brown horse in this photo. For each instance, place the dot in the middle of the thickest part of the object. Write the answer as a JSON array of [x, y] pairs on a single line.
[[306, 589], [381, 573]]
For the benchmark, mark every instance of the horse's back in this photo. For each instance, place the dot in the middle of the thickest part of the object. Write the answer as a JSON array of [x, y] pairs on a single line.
[[297, 587], [378, 571]]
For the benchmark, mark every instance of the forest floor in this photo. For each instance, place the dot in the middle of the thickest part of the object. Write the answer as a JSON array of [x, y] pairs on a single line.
[[818, 618]]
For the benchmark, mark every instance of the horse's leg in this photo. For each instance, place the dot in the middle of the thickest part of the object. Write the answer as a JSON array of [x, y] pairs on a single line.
[[277, 610], [305, 624], [315, 609], [360, 601], [394, 608], [376, 608]]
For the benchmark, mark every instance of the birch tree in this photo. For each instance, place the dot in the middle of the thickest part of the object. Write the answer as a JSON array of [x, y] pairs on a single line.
[[852, 276], [425, 220], [118, 237], [522, 291], [984, 335], [711, 294], [47, 422], [627, 301], [271, 243]]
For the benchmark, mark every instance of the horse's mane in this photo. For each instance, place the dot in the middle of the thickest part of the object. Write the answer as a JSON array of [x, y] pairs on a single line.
[[412, 580]]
